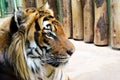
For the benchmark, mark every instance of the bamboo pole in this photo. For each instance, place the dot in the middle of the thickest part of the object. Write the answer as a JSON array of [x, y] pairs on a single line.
[[115, 24], [101, 23], [2, 8], [15, 5], [77, 21], [66, 17], [59, 9], [18, 3], [88, 21]]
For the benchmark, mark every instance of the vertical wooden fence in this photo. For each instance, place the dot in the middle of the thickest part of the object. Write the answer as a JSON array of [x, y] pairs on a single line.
[[77, 19], [100, 22], [88, 17], [115, 23], [95, 21]]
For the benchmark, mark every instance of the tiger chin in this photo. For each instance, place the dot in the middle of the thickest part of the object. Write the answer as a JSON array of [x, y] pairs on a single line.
[[33, 46]]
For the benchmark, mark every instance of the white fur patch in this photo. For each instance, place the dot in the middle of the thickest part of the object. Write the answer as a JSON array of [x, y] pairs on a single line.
[[48, 29], [47, 6], [33, 63], [45, 23], [40, 52], [33, 44]]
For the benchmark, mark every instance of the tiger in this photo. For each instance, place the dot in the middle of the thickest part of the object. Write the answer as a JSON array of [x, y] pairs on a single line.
[[33, 46]]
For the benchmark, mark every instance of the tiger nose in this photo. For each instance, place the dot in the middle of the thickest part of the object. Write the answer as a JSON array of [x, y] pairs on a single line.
[[69, 52]]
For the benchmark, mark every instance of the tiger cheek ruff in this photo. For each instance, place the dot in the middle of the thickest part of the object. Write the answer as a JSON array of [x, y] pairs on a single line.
[[33, 46]]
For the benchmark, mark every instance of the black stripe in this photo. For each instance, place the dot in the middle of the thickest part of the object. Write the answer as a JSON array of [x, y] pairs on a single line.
[[37, 68], [46, 42], [33, 70], [36, 35], [29, 53], [27, 10], [53, 36], [34, 57], [37, 52], [40, 78], [47, 18], [13, 26], [37, 27]]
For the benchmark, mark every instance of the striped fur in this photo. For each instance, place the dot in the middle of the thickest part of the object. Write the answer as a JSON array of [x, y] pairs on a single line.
[[35, 46]]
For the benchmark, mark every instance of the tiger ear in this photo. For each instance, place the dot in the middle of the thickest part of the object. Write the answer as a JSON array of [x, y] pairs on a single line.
[[47, 6], [16, 20], [18, 16]]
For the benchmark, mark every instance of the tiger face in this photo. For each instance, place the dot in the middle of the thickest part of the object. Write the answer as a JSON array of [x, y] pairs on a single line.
[[48, 41], [58, 47]]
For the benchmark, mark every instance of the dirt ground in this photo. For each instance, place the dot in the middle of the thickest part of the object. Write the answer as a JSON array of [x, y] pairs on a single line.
[[90, 62]]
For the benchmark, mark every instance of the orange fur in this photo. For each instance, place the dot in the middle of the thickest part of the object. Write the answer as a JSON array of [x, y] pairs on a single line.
[[15, 45]]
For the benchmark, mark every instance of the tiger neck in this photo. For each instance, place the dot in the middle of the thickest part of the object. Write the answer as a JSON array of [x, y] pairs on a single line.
[[54, 73], [48, 72]]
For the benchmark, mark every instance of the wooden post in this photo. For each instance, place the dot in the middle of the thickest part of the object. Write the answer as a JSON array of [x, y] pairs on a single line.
[[101, 23], [88, 21], [115, 24], [66, 17], [39, 3], [77, 21], [30, 3], [53, 6], [21, 3]]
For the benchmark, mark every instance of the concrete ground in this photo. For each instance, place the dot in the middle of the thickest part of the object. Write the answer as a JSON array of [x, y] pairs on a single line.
[[90, 62]]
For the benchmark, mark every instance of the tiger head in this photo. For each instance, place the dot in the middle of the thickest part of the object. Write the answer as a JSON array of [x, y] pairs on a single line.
[[38, 40], [51, 40]]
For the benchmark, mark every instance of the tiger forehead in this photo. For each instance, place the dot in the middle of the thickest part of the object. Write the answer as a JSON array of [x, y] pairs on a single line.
[[31, 10], [44, 12]]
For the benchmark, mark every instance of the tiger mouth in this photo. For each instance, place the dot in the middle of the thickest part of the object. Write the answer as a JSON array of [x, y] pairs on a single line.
[[57, 62]]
